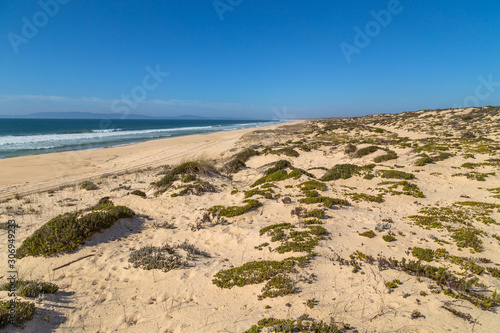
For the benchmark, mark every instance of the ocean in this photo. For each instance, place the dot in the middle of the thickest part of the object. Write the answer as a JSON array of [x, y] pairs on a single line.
[[19, 137]]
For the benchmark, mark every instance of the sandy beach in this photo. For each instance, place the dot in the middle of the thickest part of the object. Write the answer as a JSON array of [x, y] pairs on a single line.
[[342, 197]]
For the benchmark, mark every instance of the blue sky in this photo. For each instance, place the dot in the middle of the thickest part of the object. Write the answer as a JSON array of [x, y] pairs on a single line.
[[263, 59]]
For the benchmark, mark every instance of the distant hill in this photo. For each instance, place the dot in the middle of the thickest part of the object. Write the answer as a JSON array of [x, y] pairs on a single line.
[[90, 115]]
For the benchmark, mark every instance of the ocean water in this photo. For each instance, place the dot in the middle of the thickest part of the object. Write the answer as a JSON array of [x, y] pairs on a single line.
[[20, 137]]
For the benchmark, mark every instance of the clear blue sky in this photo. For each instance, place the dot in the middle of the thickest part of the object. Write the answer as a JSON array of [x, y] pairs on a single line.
[[287, 56]]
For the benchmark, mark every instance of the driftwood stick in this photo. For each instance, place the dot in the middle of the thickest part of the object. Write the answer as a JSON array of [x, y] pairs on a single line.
[[72, 262]]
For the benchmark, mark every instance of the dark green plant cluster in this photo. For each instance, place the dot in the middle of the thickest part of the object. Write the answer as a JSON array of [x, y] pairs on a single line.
[[255, 272], [278, 286], [468, 237], [265, 193], [239, 160], [232, 211], [139, 193], [391, 155], [426, 159], [392, 284], [366, 151], [368, 234], [389, 238], [188, 178], [350, 149], [279, 173], [292, 240], [311, 185], [326, 201], [345, 171], [88, 185], [65, 232], [366, 197], [193, 167], [395, 174], [407, 188], [423, 254], [317, 213], [24, 312], [495, 272], [416, 314], [311, 303], [28, 288], [302, 324]]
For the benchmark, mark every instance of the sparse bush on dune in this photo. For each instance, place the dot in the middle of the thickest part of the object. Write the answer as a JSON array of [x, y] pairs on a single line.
[[198, 167], [65, 232], [139, 193], [346, 171], [365, 151], [23, 312], [238, 162], [232, 211], [88, 185], [31, 288], [278, 172]]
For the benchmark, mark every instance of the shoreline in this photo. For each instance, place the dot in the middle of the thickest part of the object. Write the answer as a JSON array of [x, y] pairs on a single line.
[[32, 173]]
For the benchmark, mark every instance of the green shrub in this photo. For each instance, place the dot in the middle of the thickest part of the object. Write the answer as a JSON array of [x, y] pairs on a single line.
[[188, 178], [326, 201], [368, 234], [31, 288], [139, 193], [88, 185], [246, 154], [365, 151], [65, 232], [388, 238], [253, 272], [391, 155], [317, 213], [312, 185], [193, 167], [395, 174], [278, 286], [423, 254], [366, 197], [341, 171], [232, 211], [24, 312]]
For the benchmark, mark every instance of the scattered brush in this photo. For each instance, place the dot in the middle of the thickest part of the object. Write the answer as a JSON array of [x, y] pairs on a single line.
[[88, 185], [31, 288]]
